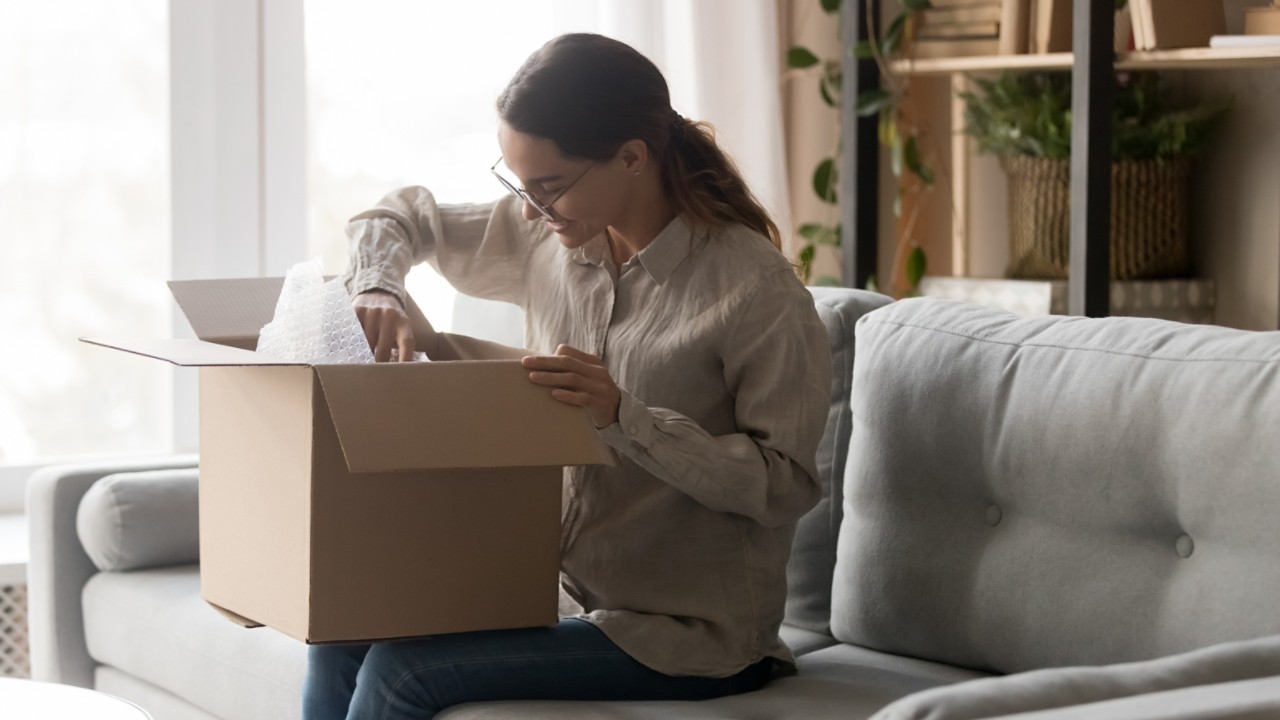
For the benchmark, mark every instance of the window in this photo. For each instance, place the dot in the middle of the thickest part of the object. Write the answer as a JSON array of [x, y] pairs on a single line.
[[84, 245], [401, 92]]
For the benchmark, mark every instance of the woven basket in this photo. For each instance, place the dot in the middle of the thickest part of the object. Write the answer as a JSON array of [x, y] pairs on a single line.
[[1148, 217]]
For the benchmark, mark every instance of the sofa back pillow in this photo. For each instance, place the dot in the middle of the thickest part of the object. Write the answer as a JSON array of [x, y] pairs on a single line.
[[813, 554], [1035, 492], [130, 521]]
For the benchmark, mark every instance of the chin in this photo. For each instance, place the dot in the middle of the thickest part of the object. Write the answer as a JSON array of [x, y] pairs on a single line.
[[572, 233]]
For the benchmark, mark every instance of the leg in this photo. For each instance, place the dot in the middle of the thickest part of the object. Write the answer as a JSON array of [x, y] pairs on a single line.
[[413, 680], [331, 680]]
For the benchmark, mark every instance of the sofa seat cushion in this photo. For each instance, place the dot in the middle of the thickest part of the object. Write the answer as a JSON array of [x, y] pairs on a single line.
[[803, 642], [152, 624], [840, 683]]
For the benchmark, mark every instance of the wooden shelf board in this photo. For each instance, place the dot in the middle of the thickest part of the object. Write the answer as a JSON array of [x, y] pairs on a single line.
[[1184, 59]]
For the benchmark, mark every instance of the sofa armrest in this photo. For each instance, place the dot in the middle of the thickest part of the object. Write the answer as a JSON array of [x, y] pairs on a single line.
[[58, 566], [1257, 699], [1041, 690]]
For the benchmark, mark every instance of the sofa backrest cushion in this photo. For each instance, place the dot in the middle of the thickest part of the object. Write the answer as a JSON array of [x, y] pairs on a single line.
[[1036, 492], [813, 554], [134, 520]]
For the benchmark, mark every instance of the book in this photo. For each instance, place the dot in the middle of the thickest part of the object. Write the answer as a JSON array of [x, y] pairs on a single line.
[[1183, 23], [1052, 29], [963, 14], [1262, 21], [1013, 26], [960, 30], [1236, 41], [1142, 27], [940, 48]]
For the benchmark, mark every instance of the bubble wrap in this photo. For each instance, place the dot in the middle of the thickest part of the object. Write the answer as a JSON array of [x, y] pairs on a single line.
[[314, 322]]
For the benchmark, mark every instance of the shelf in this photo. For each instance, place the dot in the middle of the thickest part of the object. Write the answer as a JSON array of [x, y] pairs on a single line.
[[1184, 59]]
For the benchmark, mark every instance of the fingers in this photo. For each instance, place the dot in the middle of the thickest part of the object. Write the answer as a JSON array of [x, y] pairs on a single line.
[[405, 343], [562, 364], [576, 354], [385, 324]]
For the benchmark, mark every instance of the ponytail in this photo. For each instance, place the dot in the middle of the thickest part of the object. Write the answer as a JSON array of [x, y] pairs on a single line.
[[705, 184]]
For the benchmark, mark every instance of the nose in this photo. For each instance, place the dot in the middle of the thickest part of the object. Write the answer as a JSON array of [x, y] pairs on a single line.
[[530, 212]]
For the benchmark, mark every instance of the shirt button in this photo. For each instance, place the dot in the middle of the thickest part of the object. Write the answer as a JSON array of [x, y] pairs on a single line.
[[633, 430]]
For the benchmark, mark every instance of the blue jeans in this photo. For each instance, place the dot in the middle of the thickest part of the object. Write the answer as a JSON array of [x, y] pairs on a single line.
[[415, 679]]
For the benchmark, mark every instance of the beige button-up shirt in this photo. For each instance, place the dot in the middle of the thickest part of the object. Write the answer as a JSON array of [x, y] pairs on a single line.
[[679, 555]]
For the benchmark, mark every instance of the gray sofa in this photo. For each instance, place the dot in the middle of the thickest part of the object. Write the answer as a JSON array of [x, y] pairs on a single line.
[[1037, 518]]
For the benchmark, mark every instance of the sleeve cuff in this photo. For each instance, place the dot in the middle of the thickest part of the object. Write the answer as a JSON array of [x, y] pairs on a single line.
[[369, 279], [636, 426]]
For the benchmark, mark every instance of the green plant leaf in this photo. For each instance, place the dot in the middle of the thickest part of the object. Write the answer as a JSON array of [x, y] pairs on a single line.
[[801, 57], [826, 95], [827, 281], [806, 262], [862, 50], [871, 283], [824, 180], [915, 266], [871, 102], [916, 5], [809, 231], [831, 5], [893, 36], [911, 153]]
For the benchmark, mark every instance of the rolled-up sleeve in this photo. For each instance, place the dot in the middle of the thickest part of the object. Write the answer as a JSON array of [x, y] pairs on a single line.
[[480, 249], [778, 369]]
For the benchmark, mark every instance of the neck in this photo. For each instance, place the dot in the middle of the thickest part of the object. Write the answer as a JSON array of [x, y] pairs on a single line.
[[649, 213]]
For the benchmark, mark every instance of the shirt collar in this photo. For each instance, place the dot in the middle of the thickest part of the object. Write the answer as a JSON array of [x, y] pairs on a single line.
[[660, 258], [670, 248]]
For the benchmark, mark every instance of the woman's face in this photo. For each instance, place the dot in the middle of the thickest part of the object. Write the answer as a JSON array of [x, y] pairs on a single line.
[[583, 195]]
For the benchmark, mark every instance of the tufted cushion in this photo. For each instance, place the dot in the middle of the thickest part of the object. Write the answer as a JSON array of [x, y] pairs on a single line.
[[129, 521], [1036, 492], [813, 555]]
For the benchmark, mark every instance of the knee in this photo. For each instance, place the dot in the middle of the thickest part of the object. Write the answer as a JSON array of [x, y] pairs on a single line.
[[335, 662], [393, 676]]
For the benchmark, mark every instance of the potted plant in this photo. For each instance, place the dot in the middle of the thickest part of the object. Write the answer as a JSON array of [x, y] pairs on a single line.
[[1025, 118], [898, 132]]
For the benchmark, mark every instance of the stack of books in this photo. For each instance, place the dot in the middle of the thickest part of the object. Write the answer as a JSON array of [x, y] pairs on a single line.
[[965, 28]]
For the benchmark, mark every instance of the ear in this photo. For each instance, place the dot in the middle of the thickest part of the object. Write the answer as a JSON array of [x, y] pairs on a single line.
[[634, 156]]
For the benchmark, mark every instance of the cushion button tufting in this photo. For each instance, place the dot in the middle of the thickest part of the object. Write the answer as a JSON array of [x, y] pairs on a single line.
[[1185, 546], [994, 515]]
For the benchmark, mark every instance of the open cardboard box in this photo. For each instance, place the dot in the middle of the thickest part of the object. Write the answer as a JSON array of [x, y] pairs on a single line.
[[347, 503]]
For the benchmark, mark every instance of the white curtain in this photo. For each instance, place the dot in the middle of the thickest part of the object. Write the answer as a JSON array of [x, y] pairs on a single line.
[[722, 62]]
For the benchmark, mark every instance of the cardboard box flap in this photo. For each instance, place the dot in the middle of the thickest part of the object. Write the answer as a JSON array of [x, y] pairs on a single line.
[[240, 620], [228, 312], [408, 416], [189, 353], [233, 311]]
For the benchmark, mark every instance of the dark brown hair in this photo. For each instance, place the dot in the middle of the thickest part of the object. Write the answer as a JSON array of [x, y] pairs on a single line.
[[589, 94]]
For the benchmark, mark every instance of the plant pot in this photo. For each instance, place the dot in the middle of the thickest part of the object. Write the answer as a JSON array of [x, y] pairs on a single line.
[[1149, 200]]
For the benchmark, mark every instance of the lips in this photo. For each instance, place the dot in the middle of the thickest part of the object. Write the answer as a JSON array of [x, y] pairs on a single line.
[[558, 227]]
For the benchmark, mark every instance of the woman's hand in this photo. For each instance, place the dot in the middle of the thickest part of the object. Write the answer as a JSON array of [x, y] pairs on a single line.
[[580, 379], [385, 323]]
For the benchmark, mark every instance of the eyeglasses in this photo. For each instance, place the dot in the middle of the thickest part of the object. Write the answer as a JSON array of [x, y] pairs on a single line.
[[544, 209]]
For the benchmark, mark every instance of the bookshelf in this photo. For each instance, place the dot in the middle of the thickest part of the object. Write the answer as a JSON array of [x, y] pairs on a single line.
[[1187, 59], [1242, 191]]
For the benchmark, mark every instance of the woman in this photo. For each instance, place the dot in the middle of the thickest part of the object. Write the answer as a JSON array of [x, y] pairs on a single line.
[[654, 280]]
